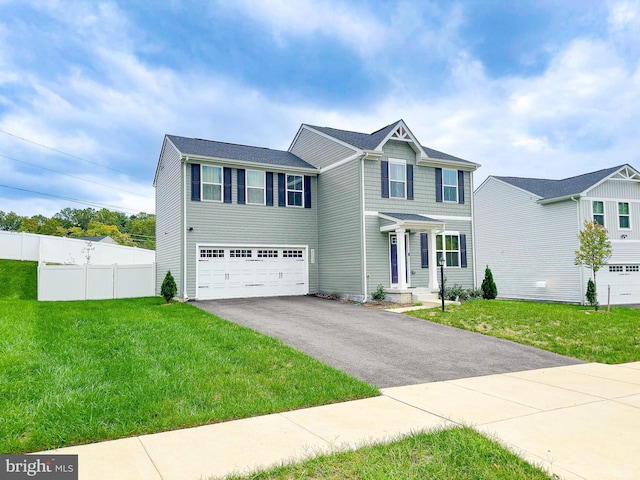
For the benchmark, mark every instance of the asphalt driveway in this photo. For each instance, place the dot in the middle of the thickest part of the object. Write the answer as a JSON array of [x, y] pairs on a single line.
[[385, 349]]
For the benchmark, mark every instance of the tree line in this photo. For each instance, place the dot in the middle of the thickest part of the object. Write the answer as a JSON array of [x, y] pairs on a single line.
[[130, 230]]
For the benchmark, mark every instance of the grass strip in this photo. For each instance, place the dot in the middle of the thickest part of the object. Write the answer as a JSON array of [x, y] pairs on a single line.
[[572, 330], [452, 454]]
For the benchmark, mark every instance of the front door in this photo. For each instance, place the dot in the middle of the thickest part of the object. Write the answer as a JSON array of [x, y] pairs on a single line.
[[393, 256]]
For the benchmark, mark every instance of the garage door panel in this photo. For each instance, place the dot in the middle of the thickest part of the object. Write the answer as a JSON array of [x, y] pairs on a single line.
[[236, 272], [624, 281]]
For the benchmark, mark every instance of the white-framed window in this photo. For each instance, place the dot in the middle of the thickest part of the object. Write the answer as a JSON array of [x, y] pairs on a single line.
[[294, 190], [211, 253], [448, 245], [616, 268], [211, 183], [267, 253], [624, 220], [397, 179], [598, 212], [256, 187], [292, 254], [632, 268], [240, 253], [449, 185]]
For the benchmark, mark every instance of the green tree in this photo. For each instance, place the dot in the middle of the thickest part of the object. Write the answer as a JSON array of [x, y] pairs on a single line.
[[52, 226], [489, 288], [10, 221], [594, 251], [29, 225], [592, 298], [99, 229], [168, 289]]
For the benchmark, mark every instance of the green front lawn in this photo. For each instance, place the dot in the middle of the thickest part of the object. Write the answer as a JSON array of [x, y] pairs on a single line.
[[571, 330], [80, 372], [454, 454]]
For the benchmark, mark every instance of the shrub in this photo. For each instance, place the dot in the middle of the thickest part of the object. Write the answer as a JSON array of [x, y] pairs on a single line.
[[457, 292], [379, 295], [591, 294], [169, 288], [489, 289]]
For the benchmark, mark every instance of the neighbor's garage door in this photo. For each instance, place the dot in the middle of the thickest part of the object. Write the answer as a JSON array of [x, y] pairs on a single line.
[[236, 272], [624, 281]]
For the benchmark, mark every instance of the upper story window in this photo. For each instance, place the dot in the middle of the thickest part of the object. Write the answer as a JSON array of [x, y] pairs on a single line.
[[294, 190], [449, 185], [623, 215], [449, 247], [397, 179], [255, 187], [598, 212], [211, 183]]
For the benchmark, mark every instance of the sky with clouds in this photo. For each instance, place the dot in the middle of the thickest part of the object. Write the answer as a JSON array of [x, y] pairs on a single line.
[[89, 88]]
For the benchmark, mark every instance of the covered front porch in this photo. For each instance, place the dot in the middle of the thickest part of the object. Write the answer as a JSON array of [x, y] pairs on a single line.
[[399, 227]]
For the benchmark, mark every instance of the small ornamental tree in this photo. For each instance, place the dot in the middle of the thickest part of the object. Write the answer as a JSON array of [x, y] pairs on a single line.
[[592, 298], [489, 289], [595, 249], [169, 288]]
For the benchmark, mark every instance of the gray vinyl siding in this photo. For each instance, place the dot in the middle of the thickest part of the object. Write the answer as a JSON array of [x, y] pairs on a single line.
[[339, 231], [611, 192], [318, 150], [617, 189], [230, 223], [424, 187], [169, 217], [524, 242]]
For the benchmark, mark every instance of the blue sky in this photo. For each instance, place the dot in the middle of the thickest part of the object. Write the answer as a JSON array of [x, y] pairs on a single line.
[[530, 88]]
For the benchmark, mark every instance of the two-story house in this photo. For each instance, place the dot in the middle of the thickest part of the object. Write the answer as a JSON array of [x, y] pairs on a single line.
[[527, 232], [340, 212]]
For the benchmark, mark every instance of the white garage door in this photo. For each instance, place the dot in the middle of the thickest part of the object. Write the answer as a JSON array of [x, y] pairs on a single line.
[[237, 272], [624, 281]]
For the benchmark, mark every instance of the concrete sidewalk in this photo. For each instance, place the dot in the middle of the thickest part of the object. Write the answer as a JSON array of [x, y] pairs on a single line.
[[578, 422]]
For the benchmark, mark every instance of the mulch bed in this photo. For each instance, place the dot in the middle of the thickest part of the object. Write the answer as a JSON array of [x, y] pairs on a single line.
[[370, 304]]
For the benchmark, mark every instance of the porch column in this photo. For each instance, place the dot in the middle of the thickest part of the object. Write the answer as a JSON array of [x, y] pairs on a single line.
[[433, 260], [402, 258]]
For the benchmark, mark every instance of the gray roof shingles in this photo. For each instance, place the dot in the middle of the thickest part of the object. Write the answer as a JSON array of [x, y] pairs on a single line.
[[548, 189], [369, 141], [411, 217], [232, 151]]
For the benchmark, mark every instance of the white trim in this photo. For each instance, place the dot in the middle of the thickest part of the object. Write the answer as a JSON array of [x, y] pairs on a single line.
[[365, 280], [450, 186], [420, 153], [251, 165], [286, 190], [465, 165], [517, 188], [610, 177], [202, 199], [604, 213], [398, 161], [247, 187], [164, 144], [426, 215], [630, 227], [183, 235], [444, 248], [340, 163], [473, 232]]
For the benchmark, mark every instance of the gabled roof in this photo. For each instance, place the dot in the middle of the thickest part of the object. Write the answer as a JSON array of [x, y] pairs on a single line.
[[413, 217], [370, 141], [550, 189], [242, 153]]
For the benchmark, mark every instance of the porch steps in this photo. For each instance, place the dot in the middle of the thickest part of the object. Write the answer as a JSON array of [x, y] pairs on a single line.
[[424, 295]]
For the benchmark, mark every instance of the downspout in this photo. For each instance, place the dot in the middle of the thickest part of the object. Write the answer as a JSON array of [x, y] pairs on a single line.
[[183, 235], [473, 231], [365, 280], [582, 293]]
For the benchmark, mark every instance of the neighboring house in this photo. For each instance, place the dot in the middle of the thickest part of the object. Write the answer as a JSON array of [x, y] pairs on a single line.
[[527, 232], [340, 212], [100, 239]]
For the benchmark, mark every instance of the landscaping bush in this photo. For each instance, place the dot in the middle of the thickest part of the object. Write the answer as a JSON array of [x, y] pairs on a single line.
[[169, 288], [592, 296], [379, 295], [461, 294], [489, 289]]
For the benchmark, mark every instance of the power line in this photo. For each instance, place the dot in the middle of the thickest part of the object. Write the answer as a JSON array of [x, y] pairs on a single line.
[[83, 202], [72, 176], [70, 155]]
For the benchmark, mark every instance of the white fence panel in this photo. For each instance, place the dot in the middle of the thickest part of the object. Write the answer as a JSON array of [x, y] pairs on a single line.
[[61, 282], [134, 281], [19, 246], [95, 282]]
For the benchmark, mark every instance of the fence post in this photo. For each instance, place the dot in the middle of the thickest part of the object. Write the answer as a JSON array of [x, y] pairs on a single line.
[[114, 270]]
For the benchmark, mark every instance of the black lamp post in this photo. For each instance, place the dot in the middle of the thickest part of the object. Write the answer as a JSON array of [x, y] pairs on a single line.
[[441, 262]]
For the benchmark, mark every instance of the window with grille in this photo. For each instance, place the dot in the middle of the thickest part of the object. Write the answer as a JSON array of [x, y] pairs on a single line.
[[633, 268], [267, 253], [615, 268], [240, 253], [292, 253], [211, 253]]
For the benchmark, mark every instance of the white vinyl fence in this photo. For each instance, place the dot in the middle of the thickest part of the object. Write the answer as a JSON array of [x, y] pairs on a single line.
[[69, 251], [83, 270], [95, 282]]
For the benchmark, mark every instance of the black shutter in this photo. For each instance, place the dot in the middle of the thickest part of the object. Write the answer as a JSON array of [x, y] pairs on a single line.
[[227, 185], [463, 251], [241, 200], [424, 250], [438, 185], [307, 191], [409, 182], [282, 190], [195, 182], [384, 175], [460, 186], [269, 176]]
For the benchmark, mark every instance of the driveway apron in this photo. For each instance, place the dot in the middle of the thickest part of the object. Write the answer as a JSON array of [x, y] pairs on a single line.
[[382, 348]]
